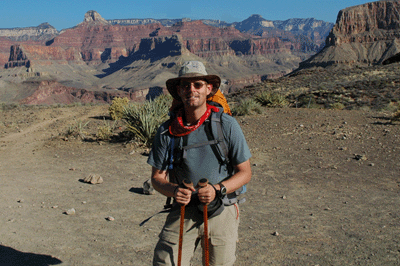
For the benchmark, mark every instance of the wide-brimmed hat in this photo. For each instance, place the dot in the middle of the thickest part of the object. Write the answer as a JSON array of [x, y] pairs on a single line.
[[191, 70]]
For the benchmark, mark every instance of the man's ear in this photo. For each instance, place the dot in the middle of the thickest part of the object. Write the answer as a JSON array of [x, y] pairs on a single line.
[[209, 89]]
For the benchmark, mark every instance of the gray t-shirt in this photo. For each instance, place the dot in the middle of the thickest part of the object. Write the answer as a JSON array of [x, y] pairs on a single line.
[[201, 162]]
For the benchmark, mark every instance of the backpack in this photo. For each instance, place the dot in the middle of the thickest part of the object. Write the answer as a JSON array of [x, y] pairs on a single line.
[[215, 136], [216, 139]]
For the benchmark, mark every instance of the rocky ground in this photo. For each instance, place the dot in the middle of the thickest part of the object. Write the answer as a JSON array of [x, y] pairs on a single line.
[[325, 190], [353, 87]]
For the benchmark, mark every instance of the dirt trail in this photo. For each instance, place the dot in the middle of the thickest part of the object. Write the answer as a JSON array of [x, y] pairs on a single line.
[[325, 191]]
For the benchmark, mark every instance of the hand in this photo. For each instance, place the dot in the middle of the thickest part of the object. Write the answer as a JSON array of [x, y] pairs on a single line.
[[206, 194], [183, 195]]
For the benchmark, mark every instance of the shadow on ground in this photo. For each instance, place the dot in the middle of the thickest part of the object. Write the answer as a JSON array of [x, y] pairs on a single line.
[[13, 257]]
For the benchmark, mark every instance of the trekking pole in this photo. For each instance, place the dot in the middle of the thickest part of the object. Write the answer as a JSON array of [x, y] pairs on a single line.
[[187, 184], [202, 183]]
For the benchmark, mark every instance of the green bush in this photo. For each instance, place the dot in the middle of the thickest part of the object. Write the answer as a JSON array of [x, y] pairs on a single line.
[[144, 119], [337, 106], [247, 107], [105, 131], [271, 99], [77, 130], [117, 107], [8, 106], [396, 116]]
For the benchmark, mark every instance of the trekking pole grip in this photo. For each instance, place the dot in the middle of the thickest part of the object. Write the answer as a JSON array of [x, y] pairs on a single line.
[[203, 182], [186, 183]]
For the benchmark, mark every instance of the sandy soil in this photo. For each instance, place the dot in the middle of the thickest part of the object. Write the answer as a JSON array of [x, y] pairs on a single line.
[[325, 191]]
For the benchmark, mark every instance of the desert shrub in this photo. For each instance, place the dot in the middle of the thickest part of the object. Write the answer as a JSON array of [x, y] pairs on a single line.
[[271, 99], [117, 106], [307, 101], [337, 106], [144, 119], [9, 106], [105, 131], [396, 116], [392, 107], [247, 107], [77, 130]]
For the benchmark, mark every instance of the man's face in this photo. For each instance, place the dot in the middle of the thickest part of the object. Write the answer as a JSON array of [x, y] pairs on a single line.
[[194, 92]]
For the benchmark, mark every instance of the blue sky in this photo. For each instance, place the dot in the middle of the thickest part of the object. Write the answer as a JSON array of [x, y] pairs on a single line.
[[66, 14]]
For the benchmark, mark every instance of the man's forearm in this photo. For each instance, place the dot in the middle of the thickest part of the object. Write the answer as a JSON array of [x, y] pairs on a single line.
[[241, 177], [159, 180]]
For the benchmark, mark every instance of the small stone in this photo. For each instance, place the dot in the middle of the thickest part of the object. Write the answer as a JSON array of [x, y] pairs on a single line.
[[360, 157], [275, 233], [20, 201], [284, 197], [371, 164], [54, 207], [93, 179], [110, 218], [70, 211]]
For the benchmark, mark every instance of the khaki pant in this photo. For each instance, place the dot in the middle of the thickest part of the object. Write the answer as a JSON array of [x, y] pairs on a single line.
[[223, 235]]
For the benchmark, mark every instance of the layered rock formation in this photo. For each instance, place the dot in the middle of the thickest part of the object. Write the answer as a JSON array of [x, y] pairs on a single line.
[[306, 35], [5, 45], [33, 35], [51, 92], [43, 32], [98, 57], [97, 42], [39, 55], [365, 34], [297, 29]]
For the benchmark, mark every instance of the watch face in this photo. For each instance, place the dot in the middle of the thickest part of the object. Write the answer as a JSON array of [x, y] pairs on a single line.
[[223, 190]]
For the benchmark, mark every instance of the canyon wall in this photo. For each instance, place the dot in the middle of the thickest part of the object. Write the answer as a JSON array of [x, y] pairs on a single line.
[[101, 59], [366, 34]]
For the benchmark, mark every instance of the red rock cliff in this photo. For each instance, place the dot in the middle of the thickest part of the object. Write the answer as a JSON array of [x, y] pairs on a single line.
[[365, 34], [367, 23], [34, 55]]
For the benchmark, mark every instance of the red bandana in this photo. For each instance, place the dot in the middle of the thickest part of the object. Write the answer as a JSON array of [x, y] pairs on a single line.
[[178, 129]]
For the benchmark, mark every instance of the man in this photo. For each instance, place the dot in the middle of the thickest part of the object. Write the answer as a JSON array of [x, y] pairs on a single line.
[[192, 88]]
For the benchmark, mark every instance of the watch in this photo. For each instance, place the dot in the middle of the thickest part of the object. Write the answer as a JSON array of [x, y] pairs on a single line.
[[222, 191]]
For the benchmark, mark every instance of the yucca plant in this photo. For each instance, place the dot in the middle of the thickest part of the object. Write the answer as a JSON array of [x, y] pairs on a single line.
[[77, 130], [271, 99], [247, 107], [144, 119]]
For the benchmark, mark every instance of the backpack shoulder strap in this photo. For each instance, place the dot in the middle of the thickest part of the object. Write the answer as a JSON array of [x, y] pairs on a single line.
[[223, 152], [215, 133], [216, 126]]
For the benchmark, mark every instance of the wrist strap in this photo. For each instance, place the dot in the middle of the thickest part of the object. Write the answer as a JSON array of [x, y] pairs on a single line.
[[217, 192], [176, 188]]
